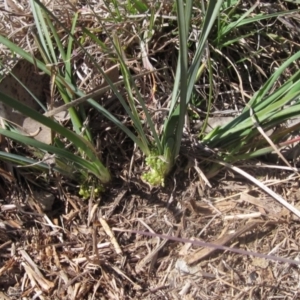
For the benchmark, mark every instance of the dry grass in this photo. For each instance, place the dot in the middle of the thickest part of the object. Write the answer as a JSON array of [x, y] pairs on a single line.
[[82, 249], [58, 246]]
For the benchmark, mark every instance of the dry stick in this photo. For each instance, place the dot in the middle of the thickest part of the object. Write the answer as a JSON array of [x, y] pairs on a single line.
[[202, 253], [3, 246], [243, 216], [32, 270], [256, 124], [149, 257], [115, 204], [96, 93], [263, 187], [253, 189], [7, 267], [120, 272], [214, 246], [109, 232]]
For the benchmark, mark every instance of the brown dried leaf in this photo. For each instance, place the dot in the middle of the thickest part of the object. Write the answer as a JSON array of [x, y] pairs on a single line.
[[34, 82]]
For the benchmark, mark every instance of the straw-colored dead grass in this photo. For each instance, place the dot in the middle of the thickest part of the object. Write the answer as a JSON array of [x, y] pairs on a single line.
[[83, 250], [58, 246]]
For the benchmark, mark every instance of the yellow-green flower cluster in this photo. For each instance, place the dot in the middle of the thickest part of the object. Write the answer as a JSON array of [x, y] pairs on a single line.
[[85, 191], [159, 168]]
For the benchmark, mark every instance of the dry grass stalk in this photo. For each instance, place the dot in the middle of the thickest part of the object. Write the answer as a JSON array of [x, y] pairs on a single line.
[[34, 273], [151, 256], [202, 253], [109, 232]]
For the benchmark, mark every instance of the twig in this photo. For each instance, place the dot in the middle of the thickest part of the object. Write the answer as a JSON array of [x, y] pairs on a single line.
[[34, 273], [243, 216], [263, 187], [214, 246], [202, 253], [109, 232], [257, 125], [152, 254]]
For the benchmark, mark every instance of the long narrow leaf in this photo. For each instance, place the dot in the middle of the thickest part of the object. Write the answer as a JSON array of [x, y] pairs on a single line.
[[209, 21], [75, 138], [183, 57], [43, 33], [242, 21], [270, 82], [269, 114], [82, 163], [19, 160]]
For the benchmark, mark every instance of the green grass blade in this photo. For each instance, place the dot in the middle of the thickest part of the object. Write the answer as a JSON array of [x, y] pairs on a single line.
[[56, 37], [68, 156], [68, 62], [260, 17], [271, 115], [20, 160], [270, 82], [209, 21], [115, 121], [140, 6], [43, 33], [182, 15], [21, 52], [61, 83], [77, 140], [188, 75]]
